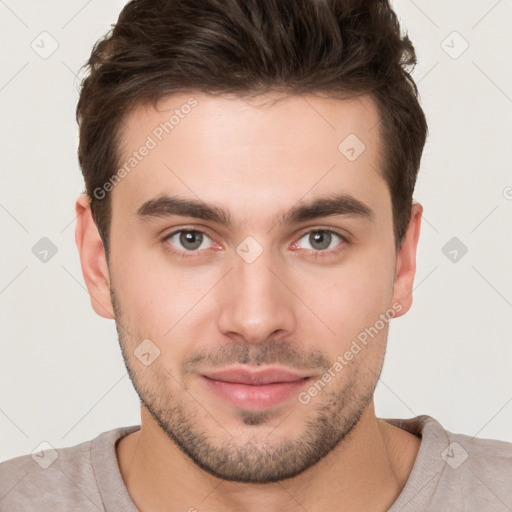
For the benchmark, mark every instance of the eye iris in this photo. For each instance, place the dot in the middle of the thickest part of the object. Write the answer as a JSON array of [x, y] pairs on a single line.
[[191, 237], [321, 238]]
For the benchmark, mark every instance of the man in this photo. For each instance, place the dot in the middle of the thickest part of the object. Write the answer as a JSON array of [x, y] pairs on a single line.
[[248, 223]]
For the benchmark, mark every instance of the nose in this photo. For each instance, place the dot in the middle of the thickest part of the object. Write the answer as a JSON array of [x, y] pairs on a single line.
[[255, 303]]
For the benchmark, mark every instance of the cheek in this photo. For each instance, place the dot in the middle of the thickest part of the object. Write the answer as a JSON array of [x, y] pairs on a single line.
[[350, 297], [153, 303], [158, 298]]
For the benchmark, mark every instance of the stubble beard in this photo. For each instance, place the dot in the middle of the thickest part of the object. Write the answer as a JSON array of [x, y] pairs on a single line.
[[335, 412]]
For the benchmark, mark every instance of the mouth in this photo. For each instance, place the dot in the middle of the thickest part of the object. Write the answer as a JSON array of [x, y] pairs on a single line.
[[254, 390]]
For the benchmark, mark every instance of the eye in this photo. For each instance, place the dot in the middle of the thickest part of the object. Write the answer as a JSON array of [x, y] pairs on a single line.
[[320, 240], [189, 240]]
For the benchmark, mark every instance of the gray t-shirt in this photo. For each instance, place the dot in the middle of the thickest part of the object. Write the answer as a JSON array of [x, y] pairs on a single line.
[[452, 472]]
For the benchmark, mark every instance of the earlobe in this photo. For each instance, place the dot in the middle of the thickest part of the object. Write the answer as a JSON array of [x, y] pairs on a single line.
[[93, 259], [405, 269]]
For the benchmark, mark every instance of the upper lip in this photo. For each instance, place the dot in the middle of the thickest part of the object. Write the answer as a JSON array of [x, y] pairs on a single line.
[[255, 377]]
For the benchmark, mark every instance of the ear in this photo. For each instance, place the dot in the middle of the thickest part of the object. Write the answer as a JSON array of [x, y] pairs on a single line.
[[93, 258], [405, 268]]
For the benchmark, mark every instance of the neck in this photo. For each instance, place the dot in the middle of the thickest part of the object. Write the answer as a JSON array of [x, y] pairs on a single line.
[[366, 471]]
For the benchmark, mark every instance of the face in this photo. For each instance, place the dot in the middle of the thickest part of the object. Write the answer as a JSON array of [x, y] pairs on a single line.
[[253, 274]]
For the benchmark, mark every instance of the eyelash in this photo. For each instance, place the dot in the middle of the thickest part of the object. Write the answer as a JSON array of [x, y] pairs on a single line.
[[315, 254]]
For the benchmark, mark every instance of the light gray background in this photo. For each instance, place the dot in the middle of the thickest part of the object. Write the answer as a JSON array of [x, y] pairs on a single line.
[[62, 378]]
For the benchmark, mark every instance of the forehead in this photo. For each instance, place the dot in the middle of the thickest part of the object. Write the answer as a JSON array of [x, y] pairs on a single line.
[[286, 120], [248, 154]]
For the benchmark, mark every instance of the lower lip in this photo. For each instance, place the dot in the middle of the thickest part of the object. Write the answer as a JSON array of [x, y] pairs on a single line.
[[254, 397]]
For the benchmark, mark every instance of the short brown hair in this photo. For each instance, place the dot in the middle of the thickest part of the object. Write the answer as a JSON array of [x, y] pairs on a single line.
[[248, 47]]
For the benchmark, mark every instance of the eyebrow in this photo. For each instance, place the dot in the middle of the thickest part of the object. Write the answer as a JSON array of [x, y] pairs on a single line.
[[166, 206]]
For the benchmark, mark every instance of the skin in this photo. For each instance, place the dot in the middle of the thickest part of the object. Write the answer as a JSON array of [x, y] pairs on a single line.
[[295, 306]]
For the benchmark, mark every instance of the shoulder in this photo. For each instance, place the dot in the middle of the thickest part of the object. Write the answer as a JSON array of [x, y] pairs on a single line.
[[54, 479], [493, 455], [455, 471], [487, 460], [480, 470], [457, 447], [47, 479]]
